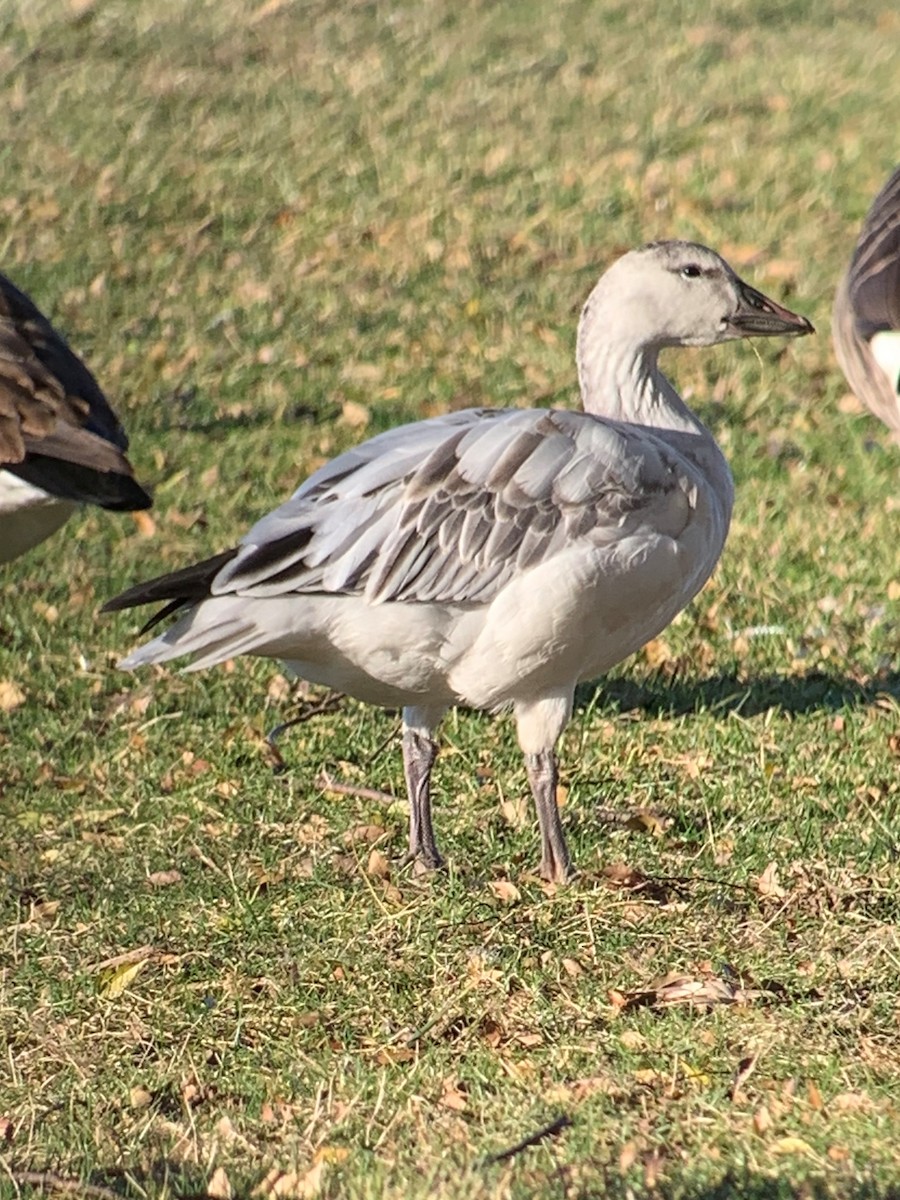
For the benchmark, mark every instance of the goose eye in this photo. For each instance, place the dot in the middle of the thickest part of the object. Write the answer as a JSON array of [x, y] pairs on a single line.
[[691, 271]]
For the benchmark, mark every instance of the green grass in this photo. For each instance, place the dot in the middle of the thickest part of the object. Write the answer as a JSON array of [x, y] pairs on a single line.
[[252, 219]]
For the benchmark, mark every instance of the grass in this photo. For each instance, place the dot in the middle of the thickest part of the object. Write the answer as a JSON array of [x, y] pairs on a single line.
[[272, 229]]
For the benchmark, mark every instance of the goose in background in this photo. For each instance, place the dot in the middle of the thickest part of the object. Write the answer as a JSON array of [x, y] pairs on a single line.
[[494, 558], [61, 444], [866, 319]]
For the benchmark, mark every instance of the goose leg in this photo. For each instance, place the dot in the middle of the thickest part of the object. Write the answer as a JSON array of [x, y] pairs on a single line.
[[419, 753], [556, 865], [539, 724]]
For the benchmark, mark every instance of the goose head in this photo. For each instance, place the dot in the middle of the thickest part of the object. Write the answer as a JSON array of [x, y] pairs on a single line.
[[680, 294]]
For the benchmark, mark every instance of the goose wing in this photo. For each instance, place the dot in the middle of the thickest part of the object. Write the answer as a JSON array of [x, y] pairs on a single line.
[[866, 322], [874, 275], [450, 509], [57, 429]]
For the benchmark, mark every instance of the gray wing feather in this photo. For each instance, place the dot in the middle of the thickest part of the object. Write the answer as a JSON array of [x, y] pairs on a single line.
[[450, 509]]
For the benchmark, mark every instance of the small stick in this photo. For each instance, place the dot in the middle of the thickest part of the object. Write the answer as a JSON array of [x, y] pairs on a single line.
[[328, 704], [49, 1181], [328, 784], [562, 1122]]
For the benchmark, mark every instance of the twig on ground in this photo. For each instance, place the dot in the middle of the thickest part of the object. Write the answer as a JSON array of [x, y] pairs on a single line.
[[328, 784], [562, 1122], [329, 704], [49, 1181]]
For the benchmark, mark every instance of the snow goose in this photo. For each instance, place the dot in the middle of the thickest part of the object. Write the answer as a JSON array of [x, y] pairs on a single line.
[[489, 557], [866, 320], [60, 442]]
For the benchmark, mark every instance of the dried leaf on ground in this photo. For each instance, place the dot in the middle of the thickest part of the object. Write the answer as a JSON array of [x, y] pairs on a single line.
[[219, 1186], [164, 878], [378, 866], [791, 1145], [769, 884], [504, 890], [116, 983], [291, 1185], [11, 695], [702, 990], [453, 1094]]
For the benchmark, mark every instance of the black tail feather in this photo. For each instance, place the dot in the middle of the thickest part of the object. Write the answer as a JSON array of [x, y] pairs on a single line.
[[181, 588]]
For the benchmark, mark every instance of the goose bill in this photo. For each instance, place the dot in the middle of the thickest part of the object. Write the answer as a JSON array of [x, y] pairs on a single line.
[[757, 315]]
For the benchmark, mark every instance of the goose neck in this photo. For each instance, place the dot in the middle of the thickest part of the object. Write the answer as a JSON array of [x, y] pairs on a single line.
[[624, 382]]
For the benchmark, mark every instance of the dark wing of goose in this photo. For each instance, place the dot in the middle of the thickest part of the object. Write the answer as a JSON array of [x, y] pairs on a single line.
[[57, 429], [449, 510], [181, 589], [874, 275]]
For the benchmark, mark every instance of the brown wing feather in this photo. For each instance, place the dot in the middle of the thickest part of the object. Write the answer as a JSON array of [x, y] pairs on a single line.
[[57, 429]]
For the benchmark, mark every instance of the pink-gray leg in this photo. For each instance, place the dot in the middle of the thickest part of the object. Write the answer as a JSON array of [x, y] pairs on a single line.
[[419, 753]]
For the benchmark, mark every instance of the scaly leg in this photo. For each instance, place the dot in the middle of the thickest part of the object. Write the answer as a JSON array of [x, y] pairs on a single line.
[[556, 865], [419, 752]]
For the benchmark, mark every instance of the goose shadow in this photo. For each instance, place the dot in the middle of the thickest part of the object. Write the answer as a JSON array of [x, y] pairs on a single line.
[[188, 1183], [727, 693]]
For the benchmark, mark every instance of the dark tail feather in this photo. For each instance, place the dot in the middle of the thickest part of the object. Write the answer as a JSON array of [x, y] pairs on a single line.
[[181, 589]]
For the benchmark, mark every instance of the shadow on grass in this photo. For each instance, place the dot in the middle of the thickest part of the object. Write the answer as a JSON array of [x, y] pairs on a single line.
[[728, 693], [746, 1186], [182, 1182]]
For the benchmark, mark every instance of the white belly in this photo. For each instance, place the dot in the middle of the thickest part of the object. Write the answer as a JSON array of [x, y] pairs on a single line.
[[885, 349], [27, 515]]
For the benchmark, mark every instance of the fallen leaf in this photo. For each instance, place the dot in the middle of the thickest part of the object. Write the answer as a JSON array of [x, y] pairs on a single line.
[[356, 415], [627, 1156], [291, 1185], [378, 866], [116, 983], [761, 1120], [791, 1145], [11, 695], [361, 833], [515, 812], [331, 1154], [453, 1094], [96, 816], [164, 878], [140, 1097], [643, 821], [815, 1096], [645, 1075], [504, 890], [146, 526], [631, 1039], [530, 1040], [768, 884], [619, 874], [219, 1186], [129, 956], [657, 653], [394, 1054], [851, 1101]]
